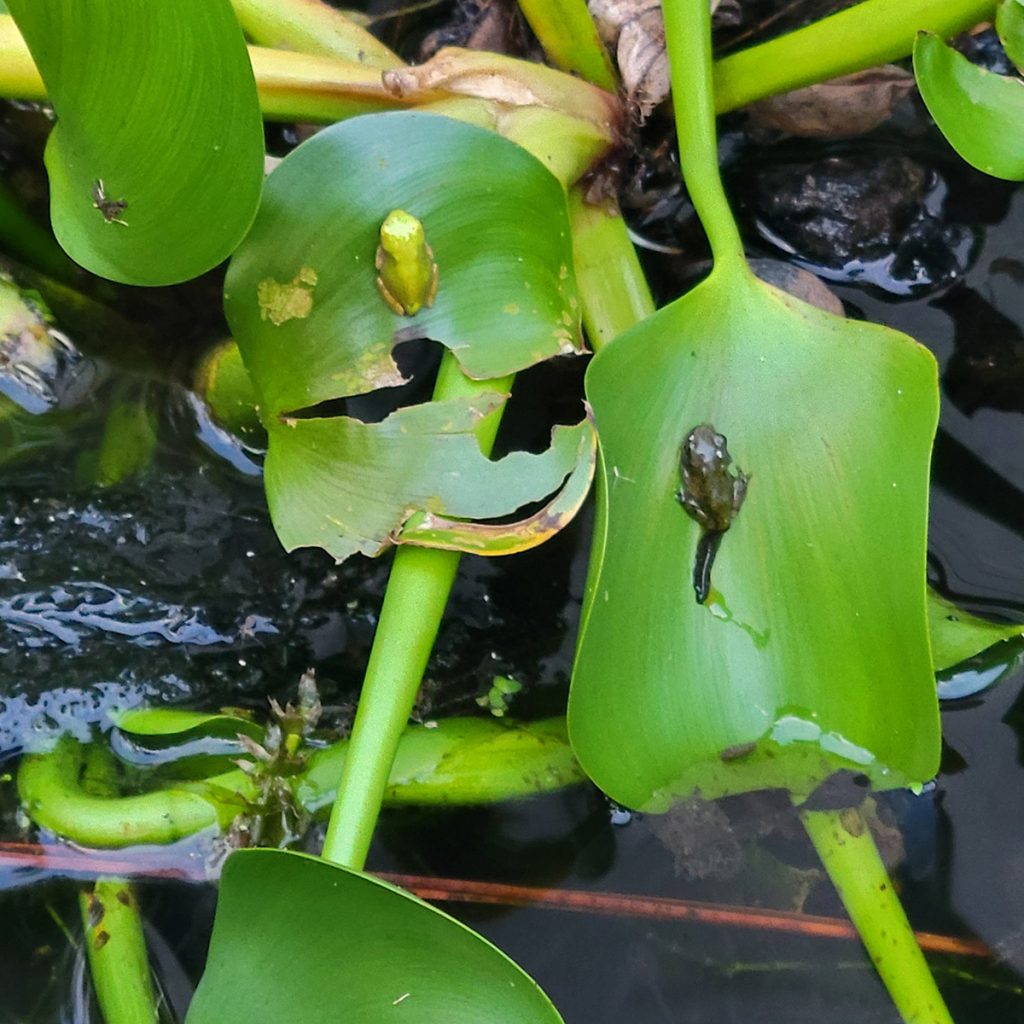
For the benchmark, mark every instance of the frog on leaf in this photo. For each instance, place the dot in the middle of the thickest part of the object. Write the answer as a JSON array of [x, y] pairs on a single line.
[[406, 269], [712, 494]]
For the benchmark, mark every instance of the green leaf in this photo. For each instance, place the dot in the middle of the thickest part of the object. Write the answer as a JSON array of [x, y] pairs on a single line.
[[303, 302], [1010, 26], [297, 939], [811, 652], [176, 722], [156, 161], [347, 486], [494, 216], [957, 635], [980, 113]]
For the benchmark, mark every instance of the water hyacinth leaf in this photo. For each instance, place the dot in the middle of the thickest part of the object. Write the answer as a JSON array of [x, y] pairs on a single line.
[[957, 635], [156, 160], [365, 951], [177, 722], [816, 615], [1010, 26], [980, 113], [301, 293], [359, 481]]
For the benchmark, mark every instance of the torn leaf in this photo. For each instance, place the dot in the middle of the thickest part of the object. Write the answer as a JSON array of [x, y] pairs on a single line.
[[348, 486]]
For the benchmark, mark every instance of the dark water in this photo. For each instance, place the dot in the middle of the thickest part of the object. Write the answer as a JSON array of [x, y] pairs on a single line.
[[174, 590]]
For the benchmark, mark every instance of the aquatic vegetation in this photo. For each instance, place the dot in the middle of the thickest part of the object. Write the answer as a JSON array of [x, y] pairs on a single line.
[[753, 452]]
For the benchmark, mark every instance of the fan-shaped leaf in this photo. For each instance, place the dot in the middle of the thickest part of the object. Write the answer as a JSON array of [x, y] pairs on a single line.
[[810, 653], [297, 939]]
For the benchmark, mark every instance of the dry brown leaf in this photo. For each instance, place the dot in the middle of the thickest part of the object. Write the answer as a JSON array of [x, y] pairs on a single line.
[[843, 107], [636, 30]]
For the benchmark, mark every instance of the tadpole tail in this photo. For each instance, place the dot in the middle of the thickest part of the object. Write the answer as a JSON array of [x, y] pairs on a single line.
[[707, 548]]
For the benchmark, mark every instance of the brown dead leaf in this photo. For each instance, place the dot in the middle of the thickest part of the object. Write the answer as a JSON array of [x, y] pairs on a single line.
[[635, 29], [843, 107]]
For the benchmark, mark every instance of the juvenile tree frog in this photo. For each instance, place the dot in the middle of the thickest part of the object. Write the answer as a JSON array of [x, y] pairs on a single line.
[[711, 494], [406, 270]]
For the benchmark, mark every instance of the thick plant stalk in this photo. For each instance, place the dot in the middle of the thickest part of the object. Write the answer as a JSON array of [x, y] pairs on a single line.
[[417, 593], [311, 26], [871, 33], [570, 40], [611, 282], [847, 849], [116, 948], [318, 89], [114, 941]]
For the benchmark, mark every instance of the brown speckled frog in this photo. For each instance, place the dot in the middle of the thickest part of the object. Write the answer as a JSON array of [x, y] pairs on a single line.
[[712, 494]]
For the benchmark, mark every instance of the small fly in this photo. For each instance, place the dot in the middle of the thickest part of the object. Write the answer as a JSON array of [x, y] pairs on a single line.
[[110, 208]]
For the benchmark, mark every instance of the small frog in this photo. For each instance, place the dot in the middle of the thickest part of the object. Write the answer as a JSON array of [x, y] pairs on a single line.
[[110, 208], [711, 495], [407, 272]]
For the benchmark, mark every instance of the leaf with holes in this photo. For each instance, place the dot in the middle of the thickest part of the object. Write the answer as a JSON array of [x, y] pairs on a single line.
[[303, 300], [156, 160]]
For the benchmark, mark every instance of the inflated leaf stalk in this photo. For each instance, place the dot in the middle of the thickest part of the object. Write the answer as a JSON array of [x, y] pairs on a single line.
[[809, 653], [455, 762], [312, 322], [980, 113], [156, 160], [112, 925]]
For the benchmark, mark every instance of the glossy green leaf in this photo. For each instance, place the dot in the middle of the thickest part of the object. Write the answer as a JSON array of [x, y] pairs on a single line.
[[811, 652], [177, 722], [156, 161], [494, 217], [1010, 26], [304, 305], [980, 113], [957, 635], [297, 939]]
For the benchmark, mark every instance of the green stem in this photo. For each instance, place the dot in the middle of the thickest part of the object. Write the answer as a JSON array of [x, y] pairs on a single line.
[[114, 940], [311, 26], [417, 592], [688, 37], [455, 761], [570, 40], [848, 851], [116, 948], [871, 33], [611, 281], [28, 241]]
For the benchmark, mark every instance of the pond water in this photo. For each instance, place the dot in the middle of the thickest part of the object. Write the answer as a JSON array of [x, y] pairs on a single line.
[[174, 590]]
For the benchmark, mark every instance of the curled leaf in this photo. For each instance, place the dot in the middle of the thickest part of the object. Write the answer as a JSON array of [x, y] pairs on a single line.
[[1010, 26], [846, 106], [980, 113], [437, 531]]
